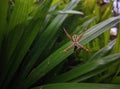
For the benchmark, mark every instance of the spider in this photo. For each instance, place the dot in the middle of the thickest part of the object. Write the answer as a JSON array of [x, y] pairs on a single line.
[[75, 39]]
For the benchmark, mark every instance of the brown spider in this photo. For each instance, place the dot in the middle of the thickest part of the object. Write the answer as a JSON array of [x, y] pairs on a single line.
[[75, 38]]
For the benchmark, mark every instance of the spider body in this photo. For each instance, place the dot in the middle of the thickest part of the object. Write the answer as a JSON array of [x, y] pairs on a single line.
[[75, 44], [75, 39]]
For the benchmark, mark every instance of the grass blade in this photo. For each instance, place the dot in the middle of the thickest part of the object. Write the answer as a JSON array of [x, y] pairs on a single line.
[[103, 51], [3, 17], [79, 86]]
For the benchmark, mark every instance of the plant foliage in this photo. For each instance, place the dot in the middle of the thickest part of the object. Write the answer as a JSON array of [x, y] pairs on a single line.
[[32, 43]]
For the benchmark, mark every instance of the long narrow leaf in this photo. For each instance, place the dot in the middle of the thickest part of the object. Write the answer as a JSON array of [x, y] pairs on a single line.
[[70, 12], [3, 17], [103, 51], [79, 86]]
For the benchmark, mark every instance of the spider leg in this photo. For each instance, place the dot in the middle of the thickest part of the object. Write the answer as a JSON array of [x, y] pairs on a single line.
[[68, 48], [81, 35], [83, 48], [68, 35]]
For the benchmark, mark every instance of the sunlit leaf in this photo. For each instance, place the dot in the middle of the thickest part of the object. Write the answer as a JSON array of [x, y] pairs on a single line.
[[70, 12], [78, 86]]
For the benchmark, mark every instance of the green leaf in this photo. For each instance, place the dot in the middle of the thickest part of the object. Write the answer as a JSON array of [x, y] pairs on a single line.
[[79, 86], [117, 46], [102, 51], [3, 17], [70, 12], [20, 12], [96, 64], [116, 80]]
